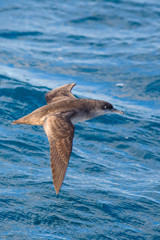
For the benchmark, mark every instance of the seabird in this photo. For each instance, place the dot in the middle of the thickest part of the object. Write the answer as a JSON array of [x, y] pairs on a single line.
[[57, 117]]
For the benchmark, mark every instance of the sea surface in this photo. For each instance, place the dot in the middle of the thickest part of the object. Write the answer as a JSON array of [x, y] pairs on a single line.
[[111, 50]]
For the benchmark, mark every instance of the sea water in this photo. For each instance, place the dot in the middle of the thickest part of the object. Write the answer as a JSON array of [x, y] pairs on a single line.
[[111, 50]]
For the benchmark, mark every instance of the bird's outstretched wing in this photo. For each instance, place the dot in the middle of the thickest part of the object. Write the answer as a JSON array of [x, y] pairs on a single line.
[[60, 93], [60, 132]]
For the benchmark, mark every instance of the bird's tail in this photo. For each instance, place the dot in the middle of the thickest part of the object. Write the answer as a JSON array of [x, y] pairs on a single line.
[[23, 120]]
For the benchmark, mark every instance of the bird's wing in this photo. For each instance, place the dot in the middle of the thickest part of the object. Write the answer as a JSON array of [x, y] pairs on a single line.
[[60, 132], [60, 93]]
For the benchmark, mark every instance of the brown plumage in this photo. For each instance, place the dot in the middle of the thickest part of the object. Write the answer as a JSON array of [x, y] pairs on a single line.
[[57, 117], [60, 132]]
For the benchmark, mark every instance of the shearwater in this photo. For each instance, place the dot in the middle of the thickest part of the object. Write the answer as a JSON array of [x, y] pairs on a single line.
[[57, 117]]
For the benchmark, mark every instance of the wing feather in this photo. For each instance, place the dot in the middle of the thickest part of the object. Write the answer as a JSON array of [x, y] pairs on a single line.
[[61, 93], [60, 132]]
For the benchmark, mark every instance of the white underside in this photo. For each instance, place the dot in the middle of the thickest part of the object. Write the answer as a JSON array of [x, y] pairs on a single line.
[[81, 117]]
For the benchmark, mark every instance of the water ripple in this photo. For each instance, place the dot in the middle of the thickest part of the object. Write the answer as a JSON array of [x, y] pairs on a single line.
[[111, 50]]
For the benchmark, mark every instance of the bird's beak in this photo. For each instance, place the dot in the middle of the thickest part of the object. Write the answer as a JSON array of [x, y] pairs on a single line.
[[117, 111]]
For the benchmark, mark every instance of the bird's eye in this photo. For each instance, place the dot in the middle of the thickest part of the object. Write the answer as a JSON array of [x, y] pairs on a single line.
[[105, 107]]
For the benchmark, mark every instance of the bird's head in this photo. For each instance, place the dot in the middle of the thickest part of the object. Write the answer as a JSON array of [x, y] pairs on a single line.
[[103, 107]]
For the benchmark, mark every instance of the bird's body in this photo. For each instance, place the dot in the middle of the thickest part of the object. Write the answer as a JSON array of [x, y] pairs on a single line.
[[57, 117], [80, 110]]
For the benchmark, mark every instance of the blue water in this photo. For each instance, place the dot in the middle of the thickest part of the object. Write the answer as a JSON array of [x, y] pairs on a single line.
[[111, 49]]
